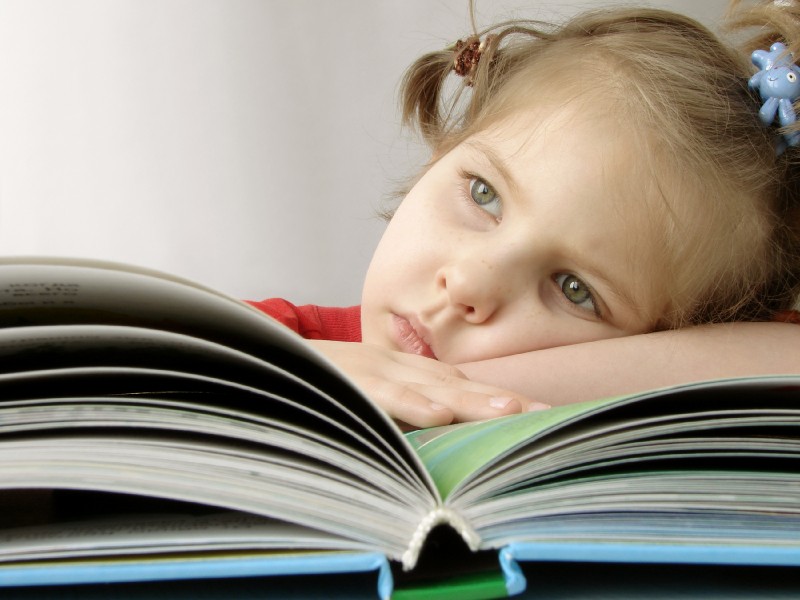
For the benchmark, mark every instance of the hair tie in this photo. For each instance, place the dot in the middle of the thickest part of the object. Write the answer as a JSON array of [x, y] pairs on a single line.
[[778, 83], [467, 55]]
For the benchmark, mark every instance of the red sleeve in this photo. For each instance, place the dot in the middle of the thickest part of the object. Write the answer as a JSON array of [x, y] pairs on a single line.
[[280, 310], [787, 316], [315, 322]]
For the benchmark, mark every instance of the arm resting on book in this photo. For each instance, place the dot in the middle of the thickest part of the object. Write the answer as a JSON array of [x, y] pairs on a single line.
[[419, 391], [637, 363]]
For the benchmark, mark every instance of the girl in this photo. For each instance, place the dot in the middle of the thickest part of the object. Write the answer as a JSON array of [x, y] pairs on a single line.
[[604, 212]]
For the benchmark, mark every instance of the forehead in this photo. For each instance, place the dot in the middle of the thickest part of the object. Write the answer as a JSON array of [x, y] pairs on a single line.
[[583, 143], [580, 169]]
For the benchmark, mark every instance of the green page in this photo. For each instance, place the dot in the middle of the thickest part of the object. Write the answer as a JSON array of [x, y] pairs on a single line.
[[455, 452]]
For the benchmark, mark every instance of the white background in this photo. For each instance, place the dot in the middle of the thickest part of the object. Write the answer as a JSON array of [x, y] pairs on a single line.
[[246, 144]]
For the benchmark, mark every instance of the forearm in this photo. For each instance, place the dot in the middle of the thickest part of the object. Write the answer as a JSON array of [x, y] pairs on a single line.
[[631, 364]]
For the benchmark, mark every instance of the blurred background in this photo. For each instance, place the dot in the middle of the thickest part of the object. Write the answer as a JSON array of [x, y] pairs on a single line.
[[246, 144]]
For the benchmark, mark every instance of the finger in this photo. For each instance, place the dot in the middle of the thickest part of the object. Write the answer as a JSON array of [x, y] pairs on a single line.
[[466, 394], [454, 379], [468, 405], [406, 404]]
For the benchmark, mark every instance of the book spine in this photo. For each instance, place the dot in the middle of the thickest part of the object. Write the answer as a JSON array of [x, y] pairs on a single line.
[[439, 516]]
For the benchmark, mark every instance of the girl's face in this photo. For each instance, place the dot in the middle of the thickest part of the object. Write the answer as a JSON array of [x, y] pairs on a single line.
[[531, 234]]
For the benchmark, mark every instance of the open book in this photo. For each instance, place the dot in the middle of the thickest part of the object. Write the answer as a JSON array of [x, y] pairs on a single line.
[[153, 428]]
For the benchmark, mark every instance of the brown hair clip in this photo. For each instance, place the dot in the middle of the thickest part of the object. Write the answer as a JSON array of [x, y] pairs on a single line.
[[467, 55]]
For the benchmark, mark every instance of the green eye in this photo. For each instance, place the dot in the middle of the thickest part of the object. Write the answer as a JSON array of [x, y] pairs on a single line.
[[481, 193], [576, 291], [484, 196]]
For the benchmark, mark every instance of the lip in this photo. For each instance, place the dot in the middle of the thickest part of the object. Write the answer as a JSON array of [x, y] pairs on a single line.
[[411, 336]]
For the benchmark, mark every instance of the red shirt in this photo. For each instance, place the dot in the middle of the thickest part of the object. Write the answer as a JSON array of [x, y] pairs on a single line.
[[315, 322]]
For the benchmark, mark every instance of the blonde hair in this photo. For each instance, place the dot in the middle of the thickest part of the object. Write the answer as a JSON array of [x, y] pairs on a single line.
[[733, 220]]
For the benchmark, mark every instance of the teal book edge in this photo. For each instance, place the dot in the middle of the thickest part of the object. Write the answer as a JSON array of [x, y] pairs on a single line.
[[677, 554], [754, 555], [510, 582], [138, 570], [200, 567]]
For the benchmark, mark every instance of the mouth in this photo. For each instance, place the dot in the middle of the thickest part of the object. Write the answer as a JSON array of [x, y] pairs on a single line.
[[410, 338]]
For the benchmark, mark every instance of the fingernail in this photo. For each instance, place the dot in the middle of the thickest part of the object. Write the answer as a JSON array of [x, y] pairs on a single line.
[[437, 406], [538, 406], [499, 401]]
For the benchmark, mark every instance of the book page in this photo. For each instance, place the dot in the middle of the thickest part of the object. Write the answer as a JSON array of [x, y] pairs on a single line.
[[42, 291], [58, 349], [453, 453], [458, 455], [122, 381], [163, 534], [704, 465], [60, 373]]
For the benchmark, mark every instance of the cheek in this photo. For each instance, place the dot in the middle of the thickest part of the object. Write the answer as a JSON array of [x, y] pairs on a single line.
[[414, 234], [393, 261], [394, 250], [415, 244]]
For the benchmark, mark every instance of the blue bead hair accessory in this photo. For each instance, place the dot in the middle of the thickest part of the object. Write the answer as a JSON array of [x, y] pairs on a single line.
[[778, 82]]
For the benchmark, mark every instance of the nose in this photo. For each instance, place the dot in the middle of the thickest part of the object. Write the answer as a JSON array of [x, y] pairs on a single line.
[[473, 287]]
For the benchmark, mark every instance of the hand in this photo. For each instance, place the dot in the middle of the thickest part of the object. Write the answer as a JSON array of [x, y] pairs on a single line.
[[419, 391]]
